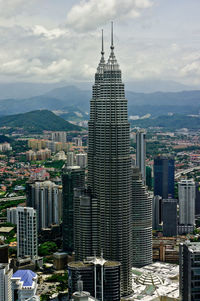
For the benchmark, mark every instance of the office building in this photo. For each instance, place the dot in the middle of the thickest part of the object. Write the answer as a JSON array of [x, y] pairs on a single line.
[[109, 166], [141, 153], [170, 220], [24, 286], [101, 278], [164, 177], [73, 177], [189, 275], [186, 195], [81, 160], [5, 282], [46, 198], [141, 221], [27, 243], [156, 212], [59, 137]]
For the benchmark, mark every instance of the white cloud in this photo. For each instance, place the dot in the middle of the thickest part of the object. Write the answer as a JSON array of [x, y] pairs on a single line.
[[90, 14], [54, 33], [10, 8]]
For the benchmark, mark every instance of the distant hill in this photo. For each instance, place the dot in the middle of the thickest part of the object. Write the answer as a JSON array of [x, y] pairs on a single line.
[[38, 121], [171, 122], [73, 102]]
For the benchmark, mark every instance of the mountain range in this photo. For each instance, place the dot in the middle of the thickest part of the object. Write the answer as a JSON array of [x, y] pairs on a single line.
[[72, 103]]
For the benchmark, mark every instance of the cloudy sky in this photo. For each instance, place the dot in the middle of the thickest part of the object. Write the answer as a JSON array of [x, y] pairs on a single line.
[[59, 40]]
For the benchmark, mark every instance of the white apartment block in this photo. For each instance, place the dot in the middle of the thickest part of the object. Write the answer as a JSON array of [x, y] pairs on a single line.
[[27, 243]]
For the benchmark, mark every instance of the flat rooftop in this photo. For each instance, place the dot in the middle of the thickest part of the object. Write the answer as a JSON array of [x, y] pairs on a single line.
[[6, 229]]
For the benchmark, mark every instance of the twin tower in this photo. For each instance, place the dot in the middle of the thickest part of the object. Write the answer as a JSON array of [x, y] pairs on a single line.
[[110, 177]]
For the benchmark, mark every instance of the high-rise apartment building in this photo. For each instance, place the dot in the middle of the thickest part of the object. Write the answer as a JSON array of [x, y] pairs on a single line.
[[141, 152], [78, 141], [170, 219], [27, 243], [164, 177], [189, 276], [70, 159], [81, 160], [46, 198], [186, 195], [72, 177], [5, 282], [109, 166], [141, 221], [59, 137]]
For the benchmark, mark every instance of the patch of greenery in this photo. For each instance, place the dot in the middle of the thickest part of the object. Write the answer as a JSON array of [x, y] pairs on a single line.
[[8, 204], [57, 164], [62, 279], [47, 248]]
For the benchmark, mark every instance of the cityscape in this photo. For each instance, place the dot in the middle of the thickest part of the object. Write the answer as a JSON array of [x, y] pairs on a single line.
[[99, 182]]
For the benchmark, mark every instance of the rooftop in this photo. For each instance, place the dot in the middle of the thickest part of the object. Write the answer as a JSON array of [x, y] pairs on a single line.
[[25, 276]]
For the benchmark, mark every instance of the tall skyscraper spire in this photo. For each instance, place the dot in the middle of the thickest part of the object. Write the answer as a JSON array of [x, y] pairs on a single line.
[[112, 43], [102, 43]]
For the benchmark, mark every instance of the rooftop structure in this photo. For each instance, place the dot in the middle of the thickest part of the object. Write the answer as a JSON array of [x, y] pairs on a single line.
[[155, 280]]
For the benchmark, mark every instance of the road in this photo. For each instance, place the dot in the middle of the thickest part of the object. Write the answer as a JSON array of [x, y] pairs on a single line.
[[184, 172], [14, 198]]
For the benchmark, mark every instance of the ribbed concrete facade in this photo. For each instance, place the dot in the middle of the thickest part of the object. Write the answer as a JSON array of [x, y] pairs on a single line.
[[109, 166], [142, 222]]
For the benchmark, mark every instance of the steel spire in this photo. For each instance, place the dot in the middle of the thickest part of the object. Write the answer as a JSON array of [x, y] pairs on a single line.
[[112, 44], [102, 43]]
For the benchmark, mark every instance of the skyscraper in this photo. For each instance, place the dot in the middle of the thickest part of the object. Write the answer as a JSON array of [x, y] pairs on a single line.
[[109, 165], [141, 153], [27, 243], [164, 177], [170, 221], [186, 195], [189, 265], [141, 221], [72, 177]]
